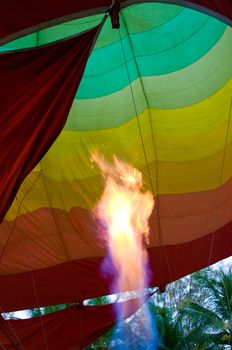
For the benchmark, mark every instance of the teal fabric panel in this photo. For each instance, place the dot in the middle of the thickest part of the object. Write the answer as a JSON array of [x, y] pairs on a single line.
[[170, 47], [141, 17]]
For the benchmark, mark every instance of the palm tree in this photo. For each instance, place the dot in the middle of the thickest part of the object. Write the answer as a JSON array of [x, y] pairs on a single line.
[[168, 327], [203, 321], [213, 315]]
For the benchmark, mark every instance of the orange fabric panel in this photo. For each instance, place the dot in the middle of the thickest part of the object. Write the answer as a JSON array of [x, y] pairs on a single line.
[[82, 279], [46, 237]]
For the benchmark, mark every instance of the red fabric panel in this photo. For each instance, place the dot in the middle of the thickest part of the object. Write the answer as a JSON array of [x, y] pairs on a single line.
[[37, 91], [21, 17], [71, 327], [223, 7], [83, 279]]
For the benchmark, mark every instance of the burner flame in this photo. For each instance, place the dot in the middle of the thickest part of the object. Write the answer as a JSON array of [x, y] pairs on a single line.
[[124, 209]]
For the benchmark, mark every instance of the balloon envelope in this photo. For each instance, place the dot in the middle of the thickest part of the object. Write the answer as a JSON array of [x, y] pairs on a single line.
[[157, 93]]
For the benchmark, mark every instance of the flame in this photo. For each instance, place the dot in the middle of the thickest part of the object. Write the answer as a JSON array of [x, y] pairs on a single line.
[[125, 208]]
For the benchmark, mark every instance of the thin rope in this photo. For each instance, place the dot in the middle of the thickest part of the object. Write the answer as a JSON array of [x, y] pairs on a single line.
[[75, 285], [40, 316], [74, 276], [8, 239], [153, 142], [10, 235], [54, 219], [53, 214], [136, 112], [30, 262], [57, 225], [17, 214], [82, 328], [3, 346], [221, 175], [13, 332], [155, 151], [61, 236], [220, 180], [28, 257]]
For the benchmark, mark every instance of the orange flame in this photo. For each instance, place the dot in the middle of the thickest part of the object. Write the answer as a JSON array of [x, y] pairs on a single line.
[[125, 210]]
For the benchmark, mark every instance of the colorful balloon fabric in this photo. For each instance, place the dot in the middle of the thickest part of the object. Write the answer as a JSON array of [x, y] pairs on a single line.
[[157, 93]]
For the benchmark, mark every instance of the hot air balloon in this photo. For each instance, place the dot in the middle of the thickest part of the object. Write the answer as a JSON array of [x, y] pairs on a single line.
[[157, 93]]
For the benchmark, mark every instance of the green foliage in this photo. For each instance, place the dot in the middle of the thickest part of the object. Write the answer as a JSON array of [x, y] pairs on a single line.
[[46, 310], [194, 322], [195, 313]]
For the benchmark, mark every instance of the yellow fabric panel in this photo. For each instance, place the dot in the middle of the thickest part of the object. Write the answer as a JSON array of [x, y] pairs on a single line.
[[190, 144], [184, 134], [180, 88], [38, 191]]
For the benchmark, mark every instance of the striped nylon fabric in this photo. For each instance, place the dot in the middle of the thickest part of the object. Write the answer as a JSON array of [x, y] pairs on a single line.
[[157, 94]]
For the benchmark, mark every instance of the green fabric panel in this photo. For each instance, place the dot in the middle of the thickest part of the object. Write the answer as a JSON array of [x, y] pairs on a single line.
[[143, 17], [178, 39], [68, 29], [154, 41], [185, 87], [54, 33], [170, 47], [140, 18], [24, 42]]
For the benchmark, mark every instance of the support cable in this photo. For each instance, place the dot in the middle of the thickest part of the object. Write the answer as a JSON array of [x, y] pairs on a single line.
[[221, 175], [143, 144]]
